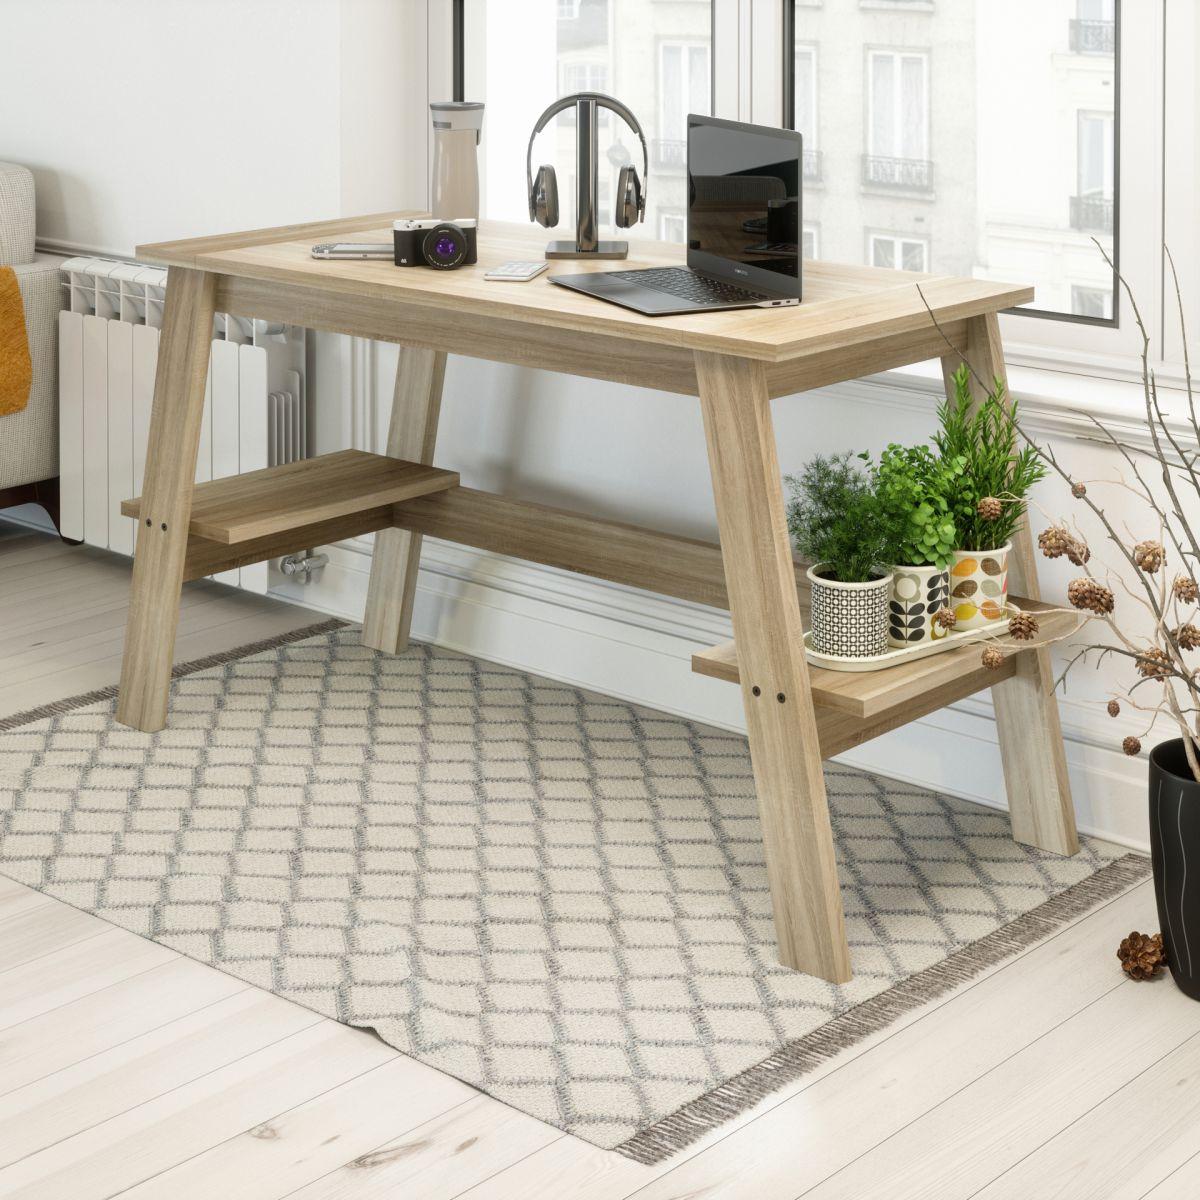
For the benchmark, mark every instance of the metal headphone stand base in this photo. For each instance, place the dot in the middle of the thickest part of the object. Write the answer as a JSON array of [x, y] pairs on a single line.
[[586, 243]]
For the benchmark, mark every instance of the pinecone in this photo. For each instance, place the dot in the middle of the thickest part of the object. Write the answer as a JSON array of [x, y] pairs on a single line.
[[1023, 627], [990, 508], [1114, 709], [992, 658], [1153, 663], [1188, 636], [1055, 541], [1141, 955], [1132, 746], [1090, 595], [1078, 491], [1077, 552], [1185, 589], [944, 618], [1149, 556]]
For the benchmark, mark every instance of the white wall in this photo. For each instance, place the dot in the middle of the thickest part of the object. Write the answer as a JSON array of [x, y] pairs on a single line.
[[153, 119]]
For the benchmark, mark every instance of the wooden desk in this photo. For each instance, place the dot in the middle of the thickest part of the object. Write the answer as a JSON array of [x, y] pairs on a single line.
[[854, 321]]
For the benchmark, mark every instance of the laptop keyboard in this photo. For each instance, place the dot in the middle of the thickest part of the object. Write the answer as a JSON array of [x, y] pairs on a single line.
[[687, 285]]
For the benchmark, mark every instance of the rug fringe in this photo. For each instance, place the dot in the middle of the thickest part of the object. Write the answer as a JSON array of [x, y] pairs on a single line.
[[58, 707], [735, 1096]]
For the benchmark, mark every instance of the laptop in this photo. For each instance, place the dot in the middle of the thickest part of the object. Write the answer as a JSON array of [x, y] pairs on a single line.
[[743, 228]]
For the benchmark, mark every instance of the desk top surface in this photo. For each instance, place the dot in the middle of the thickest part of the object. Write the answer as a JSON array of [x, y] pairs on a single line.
[[843, 305]]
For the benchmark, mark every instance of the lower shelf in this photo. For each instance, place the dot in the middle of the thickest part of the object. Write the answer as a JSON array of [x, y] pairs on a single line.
[[331, 487], [869, 694]]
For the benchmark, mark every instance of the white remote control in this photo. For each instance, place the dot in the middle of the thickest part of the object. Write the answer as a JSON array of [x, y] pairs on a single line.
[[516, 272]]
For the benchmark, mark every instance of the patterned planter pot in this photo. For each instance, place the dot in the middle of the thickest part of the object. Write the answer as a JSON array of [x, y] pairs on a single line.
[[916, 594], [1174, 839], [979, 586], [849, 619]]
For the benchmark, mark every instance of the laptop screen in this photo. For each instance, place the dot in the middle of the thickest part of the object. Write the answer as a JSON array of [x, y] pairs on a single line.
[[744, 203]]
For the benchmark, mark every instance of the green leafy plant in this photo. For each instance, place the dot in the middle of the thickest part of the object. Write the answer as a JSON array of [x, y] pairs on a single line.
[[984, 437], [837, 518], [918, 488]]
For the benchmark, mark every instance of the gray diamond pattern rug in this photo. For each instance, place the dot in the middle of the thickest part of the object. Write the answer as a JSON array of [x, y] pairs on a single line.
[[555, 896]]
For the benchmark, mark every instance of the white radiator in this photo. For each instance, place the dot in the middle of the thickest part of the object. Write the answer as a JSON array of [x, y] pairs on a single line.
[[254, 404]]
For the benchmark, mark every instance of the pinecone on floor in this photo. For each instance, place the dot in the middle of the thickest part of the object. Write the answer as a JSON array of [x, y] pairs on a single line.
[[1090, 595], [1023, 627], [1142, 955]]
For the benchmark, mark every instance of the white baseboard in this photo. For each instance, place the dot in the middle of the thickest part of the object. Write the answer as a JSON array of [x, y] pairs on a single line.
[[637, 647]]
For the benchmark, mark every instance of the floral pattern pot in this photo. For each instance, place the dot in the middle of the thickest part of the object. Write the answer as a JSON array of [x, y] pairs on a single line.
[[979, 586], [916, 594], [849, 619]]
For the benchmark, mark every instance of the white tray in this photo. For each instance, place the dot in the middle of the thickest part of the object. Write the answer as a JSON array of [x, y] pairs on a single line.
[[902, 654]]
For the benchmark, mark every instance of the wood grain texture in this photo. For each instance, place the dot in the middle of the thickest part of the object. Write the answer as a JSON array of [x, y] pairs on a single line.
[[687, 568], [1027, 720], [412, 435], [175, 419], [844, 305], [262, 504], [784, 742], [870, 693]]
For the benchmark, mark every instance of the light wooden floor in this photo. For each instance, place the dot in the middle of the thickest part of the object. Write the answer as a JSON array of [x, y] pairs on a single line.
[[128, 1070]]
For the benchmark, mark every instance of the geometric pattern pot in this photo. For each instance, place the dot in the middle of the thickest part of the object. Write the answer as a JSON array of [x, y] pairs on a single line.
[[979, 586], [917, 593], [849, 620]]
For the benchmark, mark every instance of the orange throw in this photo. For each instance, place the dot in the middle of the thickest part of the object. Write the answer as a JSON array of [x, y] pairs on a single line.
[[16, 367]]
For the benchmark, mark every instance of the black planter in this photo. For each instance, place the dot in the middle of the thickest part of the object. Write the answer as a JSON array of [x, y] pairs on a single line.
[[1175, 851]]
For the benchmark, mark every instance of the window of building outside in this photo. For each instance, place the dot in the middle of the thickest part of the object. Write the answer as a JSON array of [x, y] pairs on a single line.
[[899, 253], [928, 132], [808, 241], [656, 58]]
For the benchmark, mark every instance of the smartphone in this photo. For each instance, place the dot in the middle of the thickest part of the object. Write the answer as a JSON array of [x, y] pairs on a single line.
[[354, 250]]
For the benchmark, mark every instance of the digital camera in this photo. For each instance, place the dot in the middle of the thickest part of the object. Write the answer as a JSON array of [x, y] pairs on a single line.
[[428, 242]]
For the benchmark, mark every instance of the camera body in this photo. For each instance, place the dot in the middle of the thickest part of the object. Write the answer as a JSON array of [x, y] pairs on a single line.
[[428, 242]]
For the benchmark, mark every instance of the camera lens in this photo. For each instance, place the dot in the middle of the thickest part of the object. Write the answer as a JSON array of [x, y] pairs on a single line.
[[445, 247]]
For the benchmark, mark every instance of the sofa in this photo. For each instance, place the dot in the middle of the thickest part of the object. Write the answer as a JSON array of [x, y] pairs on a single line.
[[29, 439]]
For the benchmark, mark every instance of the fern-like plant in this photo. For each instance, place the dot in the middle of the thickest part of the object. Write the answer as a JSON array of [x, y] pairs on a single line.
[[984, 437], [837, 518]]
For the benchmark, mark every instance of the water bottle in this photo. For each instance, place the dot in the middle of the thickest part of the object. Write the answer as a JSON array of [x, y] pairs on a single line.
[[457, 125]]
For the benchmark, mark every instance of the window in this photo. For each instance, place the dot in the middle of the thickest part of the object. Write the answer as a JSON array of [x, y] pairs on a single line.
[[1092, 302], [655, 58], [898, 252], [583, 77], [672, 226], [917, 135], [808, 242], [806, 110], [684, 75], [897, 106]]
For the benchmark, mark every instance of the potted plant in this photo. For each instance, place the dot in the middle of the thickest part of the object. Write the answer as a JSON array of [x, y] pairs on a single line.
[[841, 526], [1146, 607], [988, 496], [917, 487]]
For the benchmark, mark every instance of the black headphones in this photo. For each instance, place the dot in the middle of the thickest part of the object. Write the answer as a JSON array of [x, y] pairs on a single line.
[[630, 206]]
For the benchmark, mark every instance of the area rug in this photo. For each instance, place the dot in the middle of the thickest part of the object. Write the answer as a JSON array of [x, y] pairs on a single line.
[[555, 896]]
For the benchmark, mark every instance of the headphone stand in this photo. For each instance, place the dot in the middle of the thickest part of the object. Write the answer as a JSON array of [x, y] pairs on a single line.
[[586, 243]]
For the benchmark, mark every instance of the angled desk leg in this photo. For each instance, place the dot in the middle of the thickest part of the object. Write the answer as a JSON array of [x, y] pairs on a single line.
[[782, 726], [162, 537], [416, 403], [1027, 722]]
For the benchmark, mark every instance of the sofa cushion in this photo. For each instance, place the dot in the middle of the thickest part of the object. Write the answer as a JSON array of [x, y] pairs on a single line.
[[16, 215]]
